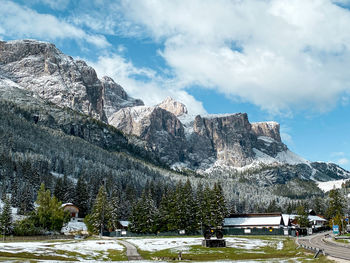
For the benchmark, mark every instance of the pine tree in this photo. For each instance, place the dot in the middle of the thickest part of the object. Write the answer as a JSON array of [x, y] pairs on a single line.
[[114, 203], [81, 195], [207, 208], [335, 211], [144, 215], [15, 196], [187, 209], [336, 204], [6, 218], [59, 190], [302, 218], [219, 204], [69, 190], [165, 213], [99, 219], [26, 200]]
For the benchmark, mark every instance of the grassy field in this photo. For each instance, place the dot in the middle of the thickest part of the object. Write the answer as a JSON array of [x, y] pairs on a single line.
[[289, 253], [267, 252], [51, 250]]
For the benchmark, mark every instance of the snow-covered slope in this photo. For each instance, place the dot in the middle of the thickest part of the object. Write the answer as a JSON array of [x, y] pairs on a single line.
[[327, 186]]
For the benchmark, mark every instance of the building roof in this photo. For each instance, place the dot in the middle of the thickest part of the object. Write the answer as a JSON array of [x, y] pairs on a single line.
[[311, 218], [124, 223], [69, 205], [66, 204], [254, 220]]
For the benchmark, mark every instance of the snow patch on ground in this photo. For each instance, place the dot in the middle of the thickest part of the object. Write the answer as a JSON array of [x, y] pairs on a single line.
[[327, 186], [73, 226], [183, 244], [155, 244], [88, 248]]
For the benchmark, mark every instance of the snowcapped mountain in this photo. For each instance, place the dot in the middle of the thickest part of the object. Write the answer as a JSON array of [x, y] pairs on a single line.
[[208, 144], [41, 68], [226, 142]]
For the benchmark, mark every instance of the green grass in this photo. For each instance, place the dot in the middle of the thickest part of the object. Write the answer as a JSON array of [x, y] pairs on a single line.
[[117, 255], [26, 255], [267, 253], [344, 241]]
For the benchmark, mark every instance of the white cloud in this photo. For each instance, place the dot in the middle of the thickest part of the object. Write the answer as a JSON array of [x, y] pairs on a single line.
[[279, 55], [21, 22], [343, 161], [144, 83]]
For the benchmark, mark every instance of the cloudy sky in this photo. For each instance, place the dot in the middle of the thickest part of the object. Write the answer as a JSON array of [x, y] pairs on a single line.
[[282, 60]]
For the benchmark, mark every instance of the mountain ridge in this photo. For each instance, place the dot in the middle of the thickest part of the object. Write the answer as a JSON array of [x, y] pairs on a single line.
[[219, 147]]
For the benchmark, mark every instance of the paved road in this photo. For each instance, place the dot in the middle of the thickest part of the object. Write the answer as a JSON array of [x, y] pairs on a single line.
[[131, 251], [320, 241]]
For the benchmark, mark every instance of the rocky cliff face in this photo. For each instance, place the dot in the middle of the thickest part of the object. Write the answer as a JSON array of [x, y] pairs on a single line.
[[173, 106], [199, 142], [161, 129], [41, 68], [229, 138], [268, 129], [115, 97]]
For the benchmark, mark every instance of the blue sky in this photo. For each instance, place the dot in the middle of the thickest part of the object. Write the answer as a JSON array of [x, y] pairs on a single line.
[[276, 60]]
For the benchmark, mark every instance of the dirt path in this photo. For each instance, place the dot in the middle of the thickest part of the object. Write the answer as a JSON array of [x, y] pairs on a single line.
[[131, 250]]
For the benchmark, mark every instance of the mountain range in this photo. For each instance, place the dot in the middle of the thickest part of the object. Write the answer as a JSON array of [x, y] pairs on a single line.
[[48, 98]]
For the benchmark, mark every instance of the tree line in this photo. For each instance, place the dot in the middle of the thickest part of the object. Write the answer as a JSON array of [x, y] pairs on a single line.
[[179, 208]]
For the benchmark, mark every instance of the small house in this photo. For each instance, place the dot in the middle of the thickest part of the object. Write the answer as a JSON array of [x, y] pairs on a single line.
[[72, 209], [123, 224]]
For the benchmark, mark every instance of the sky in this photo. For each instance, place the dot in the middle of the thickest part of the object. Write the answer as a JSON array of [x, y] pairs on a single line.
[[281, 60]]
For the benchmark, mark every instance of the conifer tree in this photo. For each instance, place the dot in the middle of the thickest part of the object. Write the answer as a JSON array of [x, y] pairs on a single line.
[[26, 200], [165, 213], [336, 204], [15, 193], [187, 209], [219, 203], [302, 218], [207, 209], [114, 203], [99, 219], [59, 190], [144, 215], [335, 211], [81, 197], [69, 190], [6, 218]]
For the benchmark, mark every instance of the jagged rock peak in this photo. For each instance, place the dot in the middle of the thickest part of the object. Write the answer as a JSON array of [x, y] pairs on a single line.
[[173, 106], [116, 98], [51, 75], [161, 129], [267, 129], [17, 49]]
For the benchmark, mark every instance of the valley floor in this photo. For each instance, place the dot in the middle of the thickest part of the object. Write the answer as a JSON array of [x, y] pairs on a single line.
[[162, 249]]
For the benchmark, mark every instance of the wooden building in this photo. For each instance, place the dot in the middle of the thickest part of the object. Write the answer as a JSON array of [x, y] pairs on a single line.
[[72, 209]]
